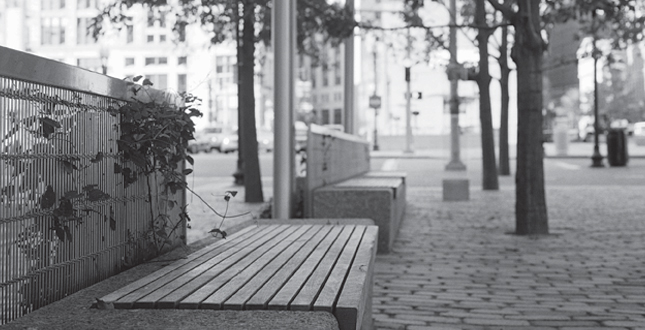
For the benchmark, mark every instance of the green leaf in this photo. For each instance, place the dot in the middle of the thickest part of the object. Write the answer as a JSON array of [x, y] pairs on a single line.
[[60, 233], [217, 231], [117, 168], [147, 82], [69, 166], [68, 233], [97, 158], [72, 194], [48, 126], [187, 171], [48, 199], [137, 78], [94, 194]]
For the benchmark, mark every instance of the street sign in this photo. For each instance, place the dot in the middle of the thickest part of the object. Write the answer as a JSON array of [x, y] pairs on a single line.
[[375, 101]]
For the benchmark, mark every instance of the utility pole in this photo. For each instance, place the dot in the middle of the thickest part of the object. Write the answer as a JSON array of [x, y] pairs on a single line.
[[455, 163], [375, 96], [348, 113], [408, 97]]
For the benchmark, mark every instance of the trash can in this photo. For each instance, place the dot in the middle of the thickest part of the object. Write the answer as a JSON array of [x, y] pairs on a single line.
[[616, 147]]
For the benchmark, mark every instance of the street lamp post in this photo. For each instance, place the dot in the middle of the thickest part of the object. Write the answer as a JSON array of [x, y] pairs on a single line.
[[408, 101], [596, 158], [375, 97]]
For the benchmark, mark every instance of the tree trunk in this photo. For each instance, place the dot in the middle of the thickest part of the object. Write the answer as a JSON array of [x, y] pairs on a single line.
[[247, 138], [504, 159], [530, 205], [490, 181]]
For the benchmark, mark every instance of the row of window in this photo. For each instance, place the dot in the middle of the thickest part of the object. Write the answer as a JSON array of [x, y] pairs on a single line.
[[328, 117], [53, 32], [58, 4]]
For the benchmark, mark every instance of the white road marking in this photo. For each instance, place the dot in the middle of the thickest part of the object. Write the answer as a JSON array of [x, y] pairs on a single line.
[[567, 166], [391, 164]]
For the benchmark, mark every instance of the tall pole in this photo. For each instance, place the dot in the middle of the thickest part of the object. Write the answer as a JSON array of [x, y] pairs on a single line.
[[455, 163], [596, 158], [375, 147], [348, 113], [408, 98], [283, 126]]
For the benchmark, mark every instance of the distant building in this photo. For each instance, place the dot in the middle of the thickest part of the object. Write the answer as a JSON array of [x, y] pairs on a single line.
[[175, 61]]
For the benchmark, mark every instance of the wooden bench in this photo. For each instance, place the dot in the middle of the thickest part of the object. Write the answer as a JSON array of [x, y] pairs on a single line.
[[299, 266], [381, 199]]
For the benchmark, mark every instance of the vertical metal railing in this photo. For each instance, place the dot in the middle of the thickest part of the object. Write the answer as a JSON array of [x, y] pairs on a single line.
[[67, 219]]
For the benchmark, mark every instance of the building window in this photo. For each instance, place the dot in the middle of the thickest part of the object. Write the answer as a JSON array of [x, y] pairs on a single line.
[[182, 32], [159, 81], [162, 60], [82, 4], [182, 60], [52, 31], [324, 120], [129, 61], [151, 60], [151, 19], [338, 116], [83, 35], [129, 34], [181, 82], [150, 38], [337, 73], [162, 38], [52, 4], [325, 77]]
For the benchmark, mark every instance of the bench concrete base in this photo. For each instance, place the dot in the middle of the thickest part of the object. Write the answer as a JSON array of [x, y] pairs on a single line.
[[379, 199], [456, 190]]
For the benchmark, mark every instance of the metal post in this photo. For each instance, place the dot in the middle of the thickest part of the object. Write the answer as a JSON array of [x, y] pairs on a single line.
[[348, 113], [596, 158], [282, 181], [455, 163], [408, 98], [375, 147]]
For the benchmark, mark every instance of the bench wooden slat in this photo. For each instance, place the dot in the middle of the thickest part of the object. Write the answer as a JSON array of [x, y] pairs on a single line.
[[305, 298], [356, 295], [283, 297], [327, 299], [261, 298], [195, 267], [240, 279], [233, 266], [171, 300], [273, 268], [185, 285], [194, 258]]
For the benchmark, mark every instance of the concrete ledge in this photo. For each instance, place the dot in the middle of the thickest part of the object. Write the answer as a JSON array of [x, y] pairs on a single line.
[[74, 312], [379, 199], [456, 190]]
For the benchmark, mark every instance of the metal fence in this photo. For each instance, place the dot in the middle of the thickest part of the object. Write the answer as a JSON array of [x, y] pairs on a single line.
[[68, 218]]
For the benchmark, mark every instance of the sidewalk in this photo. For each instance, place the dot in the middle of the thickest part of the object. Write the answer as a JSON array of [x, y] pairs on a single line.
[[456, 265], [574, 150]]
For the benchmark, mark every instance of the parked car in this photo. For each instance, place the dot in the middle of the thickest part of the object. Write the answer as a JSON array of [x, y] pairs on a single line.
[[228, 142], [265, 140], [206, 140], [639, 133]]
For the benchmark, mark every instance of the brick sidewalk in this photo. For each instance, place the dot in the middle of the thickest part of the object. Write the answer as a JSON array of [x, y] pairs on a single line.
[[455, 265]]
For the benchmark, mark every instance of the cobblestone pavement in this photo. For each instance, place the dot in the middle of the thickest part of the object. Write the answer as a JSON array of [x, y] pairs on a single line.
[[457, 265]]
